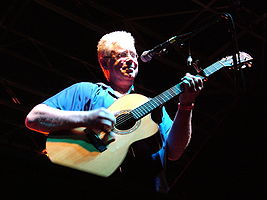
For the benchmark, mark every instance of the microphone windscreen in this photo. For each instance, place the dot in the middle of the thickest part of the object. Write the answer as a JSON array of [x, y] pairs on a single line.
[[146, 57]]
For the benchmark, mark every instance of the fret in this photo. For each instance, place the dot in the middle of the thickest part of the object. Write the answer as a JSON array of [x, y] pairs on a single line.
[[212, 68], [157, 101]]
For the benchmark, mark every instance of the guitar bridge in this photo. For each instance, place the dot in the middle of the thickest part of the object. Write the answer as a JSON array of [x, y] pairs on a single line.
[[97, 142]]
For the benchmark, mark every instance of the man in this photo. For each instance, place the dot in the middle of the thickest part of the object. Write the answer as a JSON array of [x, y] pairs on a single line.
[[86, 104]]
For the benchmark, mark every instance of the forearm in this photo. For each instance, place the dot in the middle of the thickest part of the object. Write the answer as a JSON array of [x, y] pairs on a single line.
[[180, 133], [45, 119]]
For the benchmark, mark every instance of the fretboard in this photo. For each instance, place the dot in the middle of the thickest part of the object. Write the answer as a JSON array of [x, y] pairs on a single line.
[[157, 101], [167, 95], [212, 68]]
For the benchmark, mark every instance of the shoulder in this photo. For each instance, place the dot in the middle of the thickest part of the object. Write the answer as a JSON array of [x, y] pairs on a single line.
[[84, 86], [90, 84], [89, 87]]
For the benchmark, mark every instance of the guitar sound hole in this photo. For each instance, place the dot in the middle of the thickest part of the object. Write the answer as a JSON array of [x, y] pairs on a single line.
[[125, 121]]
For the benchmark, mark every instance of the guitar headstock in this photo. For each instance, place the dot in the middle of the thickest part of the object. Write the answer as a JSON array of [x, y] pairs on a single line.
[[244, 60]]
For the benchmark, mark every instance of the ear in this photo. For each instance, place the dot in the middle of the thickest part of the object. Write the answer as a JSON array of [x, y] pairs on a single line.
[[103, 63]]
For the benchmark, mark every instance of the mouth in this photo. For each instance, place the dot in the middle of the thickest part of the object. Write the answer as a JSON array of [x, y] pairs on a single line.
[[128, 69]]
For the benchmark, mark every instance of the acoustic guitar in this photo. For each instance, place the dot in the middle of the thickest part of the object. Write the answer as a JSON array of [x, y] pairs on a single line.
[[95, 152]]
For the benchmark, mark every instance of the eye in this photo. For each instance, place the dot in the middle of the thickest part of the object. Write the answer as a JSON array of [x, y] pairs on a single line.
[[122, 55], [125, 54], [133, 55]]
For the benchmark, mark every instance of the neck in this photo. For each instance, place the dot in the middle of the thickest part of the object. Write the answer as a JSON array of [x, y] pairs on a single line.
[[122, 88]]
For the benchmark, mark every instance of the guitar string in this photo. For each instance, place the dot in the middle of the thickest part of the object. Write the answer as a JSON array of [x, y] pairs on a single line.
[[148, 106], [210, 70], [152, 104], [136, 113]]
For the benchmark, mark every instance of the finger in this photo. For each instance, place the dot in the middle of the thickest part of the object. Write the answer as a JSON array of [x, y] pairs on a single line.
[[105, 125], [188, 74], [105, 120], [195, 81], [105, 114], [198, 83], [189, 84]]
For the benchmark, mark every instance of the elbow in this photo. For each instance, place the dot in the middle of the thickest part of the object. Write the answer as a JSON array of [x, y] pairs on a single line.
[[31, 119], [29, 122], [175, 157], [32, 122]]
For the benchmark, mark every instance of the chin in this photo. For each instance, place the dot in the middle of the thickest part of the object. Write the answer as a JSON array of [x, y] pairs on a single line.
[[130, 77]]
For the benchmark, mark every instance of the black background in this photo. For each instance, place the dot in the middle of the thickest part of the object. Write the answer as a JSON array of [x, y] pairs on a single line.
[[47, 45]]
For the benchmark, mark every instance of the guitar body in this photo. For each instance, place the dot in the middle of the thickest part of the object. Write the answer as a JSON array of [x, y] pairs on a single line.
[[75, 151]]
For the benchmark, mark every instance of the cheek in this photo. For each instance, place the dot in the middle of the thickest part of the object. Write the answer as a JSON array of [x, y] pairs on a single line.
[[117, 64], [136, 71]]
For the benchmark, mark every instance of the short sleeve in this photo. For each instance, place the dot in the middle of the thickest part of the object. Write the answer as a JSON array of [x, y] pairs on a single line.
[[73, 97]]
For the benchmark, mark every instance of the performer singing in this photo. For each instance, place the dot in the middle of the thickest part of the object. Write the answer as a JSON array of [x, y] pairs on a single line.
[[86, 104]]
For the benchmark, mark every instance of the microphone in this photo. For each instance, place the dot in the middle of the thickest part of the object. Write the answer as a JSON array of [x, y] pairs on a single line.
[[146, 56]]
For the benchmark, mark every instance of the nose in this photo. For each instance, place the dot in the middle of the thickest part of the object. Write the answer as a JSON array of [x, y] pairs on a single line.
[[129, 62]]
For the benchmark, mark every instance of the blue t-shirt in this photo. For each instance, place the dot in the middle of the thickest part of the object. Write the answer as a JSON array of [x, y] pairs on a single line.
[[85, 96]]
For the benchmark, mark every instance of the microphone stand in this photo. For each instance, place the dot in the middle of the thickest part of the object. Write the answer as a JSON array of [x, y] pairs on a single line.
[[202, 28], [240, 82], [236, 57]]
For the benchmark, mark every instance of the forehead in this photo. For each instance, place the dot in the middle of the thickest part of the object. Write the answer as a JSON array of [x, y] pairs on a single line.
[[122, 46]]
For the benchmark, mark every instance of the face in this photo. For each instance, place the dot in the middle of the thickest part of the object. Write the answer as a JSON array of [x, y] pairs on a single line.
[[123, 65]]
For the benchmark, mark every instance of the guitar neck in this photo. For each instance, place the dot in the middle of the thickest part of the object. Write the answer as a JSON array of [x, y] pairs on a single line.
[[167, 95], [212, 68], [157, 101]]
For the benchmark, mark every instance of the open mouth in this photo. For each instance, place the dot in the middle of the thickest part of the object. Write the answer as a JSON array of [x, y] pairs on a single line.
[[128, 68]]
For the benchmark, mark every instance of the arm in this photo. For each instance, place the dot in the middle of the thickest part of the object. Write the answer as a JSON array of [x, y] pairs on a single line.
[[180, 133], [45, 119]]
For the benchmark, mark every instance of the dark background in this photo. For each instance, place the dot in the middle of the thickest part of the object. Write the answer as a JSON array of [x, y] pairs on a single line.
[[47, 45]]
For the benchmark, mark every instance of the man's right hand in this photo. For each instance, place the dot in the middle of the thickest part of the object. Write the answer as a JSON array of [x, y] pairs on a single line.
[[101, 119]]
